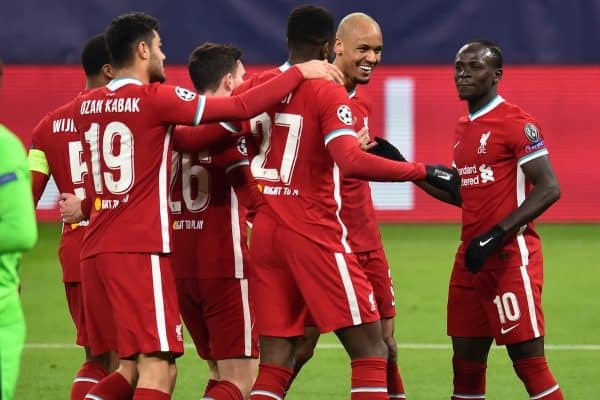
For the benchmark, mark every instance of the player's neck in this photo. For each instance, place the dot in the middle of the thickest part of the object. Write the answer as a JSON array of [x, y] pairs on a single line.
[[300, 57], [132, 72], [477, 104]]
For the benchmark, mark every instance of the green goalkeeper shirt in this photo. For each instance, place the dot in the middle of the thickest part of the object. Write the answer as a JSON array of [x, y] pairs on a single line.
[[18, 229]]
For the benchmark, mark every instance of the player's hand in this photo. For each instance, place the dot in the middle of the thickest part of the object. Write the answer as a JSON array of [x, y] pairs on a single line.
[[320, 69], [444, 178], [481, 247], [385, 149], [364, 140], [70, 208]]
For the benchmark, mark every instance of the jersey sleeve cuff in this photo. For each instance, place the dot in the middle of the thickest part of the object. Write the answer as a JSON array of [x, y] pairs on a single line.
[[532, 156], [199, 109], [337, 133]]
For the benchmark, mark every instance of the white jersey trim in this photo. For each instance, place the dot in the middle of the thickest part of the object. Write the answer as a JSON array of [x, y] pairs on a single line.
[[529, 296], [533, 156], [495, 102], [236, 237], [200, 109], [285, 66], [247, 318], [349, 288], [337, 195], [337, 133], [118, 83], [229, 127], [163, 195], [159, 306], [236, 165]]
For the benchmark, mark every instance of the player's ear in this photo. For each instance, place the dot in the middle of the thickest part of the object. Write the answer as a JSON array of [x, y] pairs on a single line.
[[107, 71], [227, 82], [143, 50], [498, 73], [338, 47]]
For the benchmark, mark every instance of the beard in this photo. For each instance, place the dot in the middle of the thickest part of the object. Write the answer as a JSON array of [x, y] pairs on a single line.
[[156, 72]]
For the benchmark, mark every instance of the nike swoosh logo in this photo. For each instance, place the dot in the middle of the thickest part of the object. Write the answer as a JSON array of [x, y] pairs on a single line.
[[505, 331], [483, 243]]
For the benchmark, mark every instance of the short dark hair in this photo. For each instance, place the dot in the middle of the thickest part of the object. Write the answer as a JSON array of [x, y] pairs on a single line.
[[494, 48], [125, 32], [94, 55], [209, 62], [310, 25]]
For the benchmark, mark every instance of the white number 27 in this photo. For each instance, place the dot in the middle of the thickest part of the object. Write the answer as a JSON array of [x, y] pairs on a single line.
[[262, 124]]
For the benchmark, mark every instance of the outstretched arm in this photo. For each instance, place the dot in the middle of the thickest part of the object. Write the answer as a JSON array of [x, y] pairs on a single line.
[[257, 99], [385, 149]]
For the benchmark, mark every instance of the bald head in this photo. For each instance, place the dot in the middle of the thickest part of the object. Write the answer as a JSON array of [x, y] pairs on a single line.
[[354, 22], [358, 47]]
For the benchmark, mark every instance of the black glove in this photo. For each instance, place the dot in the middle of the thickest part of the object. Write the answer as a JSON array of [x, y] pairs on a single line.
[[386, 150], [444, 178], [481, 247]]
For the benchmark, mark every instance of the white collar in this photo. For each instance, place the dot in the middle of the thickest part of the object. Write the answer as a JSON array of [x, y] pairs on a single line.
[[120, 82], [285, 66], [487, 108]]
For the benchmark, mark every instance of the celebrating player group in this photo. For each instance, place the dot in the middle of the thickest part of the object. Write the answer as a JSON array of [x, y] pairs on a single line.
[[242, 209]]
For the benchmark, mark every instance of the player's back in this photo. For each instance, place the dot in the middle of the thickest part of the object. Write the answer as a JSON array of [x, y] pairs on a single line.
[[292, 167], [207, 214], [56, 150], [125, 127]]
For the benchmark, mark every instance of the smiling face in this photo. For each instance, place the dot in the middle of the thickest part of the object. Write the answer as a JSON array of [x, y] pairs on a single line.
[[358, 49], [475, 74]]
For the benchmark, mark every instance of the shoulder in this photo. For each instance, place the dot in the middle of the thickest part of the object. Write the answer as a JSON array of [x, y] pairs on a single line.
[[518, 119]]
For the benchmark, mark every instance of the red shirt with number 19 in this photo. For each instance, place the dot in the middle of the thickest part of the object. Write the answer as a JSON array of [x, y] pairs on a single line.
[[126, 131]]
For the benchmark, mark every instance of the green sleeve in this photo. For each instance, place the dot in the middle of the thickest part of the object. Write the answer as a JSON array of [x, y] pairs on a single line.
[[18, 229]]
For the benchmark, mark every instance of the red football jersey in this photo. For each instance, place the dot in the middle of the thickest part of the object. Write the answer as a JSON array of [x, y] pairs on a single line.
[[125, 130], [490, 147], [209, 224], [358, 212], [292, 167], [56, 151]]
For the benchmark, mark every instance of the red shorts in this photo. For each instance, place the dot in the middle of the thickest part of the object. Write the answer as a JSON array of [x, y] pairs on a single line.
[[297, 276], [219, 316], [504, 303], [130, 303], [375, 266], [74, 294]]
